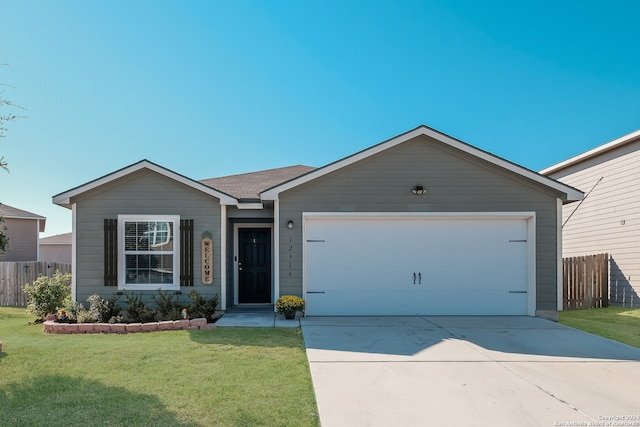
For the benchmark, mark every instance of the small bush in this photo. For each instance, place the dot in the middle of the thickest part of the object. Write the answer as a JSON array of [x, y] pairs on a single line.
[[201, 306], [104, 310], [85, 316], [138, 310], [72, 309], [46, 295], [169, 306]]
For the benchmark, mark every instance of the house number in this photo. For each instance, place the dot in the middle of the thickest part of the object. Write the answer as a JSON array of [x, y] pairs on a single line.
[[207, 261], [290, 257]]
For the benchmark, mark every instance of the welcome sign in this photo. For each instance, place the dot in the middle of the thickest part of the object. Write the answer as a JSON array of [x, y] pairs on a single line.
[[207, 259]]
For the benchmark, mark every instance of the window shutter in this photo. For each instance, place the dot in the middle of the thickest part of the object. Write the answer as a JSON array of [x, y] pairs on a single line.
[[186, 252], [111, 252]]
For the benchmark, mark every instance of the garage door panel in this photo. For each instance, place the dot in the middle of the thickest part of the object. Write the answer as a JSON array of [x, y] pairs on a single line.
[[461, 266], [351, 303]]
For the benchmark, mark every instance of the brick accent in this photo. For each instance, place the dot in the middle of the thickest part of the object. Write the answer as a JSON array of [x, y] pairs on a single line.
[[85, 328], [52, 327], [198, 323], [181, 324], [149, 327], [134, 327], [104, 328], [119, 328]]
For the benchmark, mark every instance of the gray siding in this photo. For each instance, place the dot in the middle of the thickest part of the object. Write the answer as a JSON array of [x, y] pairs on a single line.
[[145, 193], [23, 239], [609, 218], [56, 253], [455, 182]]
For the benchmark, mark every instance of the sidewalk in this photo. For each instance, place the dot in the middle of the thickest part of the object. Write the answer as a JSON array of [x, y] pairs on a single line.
[[256, 317]]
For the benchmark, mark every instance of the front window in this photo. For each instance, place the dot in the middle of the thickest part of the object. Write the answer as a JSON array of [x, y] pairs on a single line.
[[148, 252]]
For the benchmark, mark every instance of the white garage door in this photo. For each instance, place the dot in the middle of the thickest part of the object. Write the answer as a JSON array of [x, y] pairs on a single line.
[[407, 265]]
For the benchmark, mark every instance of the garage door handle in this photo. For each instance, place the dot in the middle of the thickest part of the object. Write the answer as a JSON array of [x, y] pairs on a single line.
[[315, 292], [414, 278], [517, 292], [419, 278]]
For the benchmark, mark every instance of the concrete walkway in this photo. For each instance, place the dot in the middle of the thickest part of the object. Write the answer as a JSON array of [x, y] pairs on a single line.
[[468, 371], [259, 316]]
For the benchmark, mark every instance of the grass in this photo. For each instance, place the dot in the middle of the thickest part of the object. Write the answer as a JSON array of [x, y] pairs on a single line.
[[221, 377], [617, 323]]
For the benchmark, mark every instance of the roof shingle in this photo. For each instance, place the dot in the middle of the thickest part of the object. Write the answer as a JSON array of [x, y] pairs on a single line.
[[248, 186]]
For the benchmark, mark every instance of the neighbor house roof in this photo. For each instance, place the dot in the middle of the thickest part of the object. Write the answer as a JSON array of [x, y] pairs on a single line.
[[609, 146], [58, 239], [9, 212], [569, 193], [248, 186], [64, 199]]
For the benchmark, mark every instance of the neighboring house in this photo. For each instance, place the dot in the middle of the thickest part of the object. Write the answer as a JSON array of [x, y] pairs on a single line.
[[608, 219], [56, 248], [23, 230], [419, 224]]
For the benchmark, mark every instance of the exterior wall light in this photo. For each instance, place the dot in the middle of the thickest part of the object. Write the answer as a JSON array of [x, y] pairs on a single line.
[[419, 190], [290, 225]]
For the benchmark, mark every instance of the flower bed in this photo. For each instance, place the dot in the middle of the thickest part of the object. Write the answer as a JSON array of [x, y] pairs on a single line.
[[53, 327]]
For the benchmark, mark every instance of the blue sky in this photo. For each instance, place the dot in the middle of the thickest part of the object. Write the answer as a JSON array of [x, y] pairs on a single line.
[[212, 88]]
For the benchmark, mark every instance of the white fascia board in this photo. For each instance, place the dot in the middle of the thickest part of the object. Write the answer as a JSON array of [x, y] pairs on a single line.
[[64, 199], [74, 254], [592, 153], [223, 257], [571, 193], [252, 205], [360, 216]]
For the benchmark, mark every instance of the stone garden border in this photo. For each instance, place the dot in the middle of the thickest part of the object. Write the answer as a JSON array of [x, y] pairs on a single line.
[[53, 327]]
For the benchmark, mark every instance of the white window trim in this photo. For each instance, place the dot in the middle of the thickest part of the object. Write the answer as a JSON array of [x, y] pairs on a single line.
[[122, 267]]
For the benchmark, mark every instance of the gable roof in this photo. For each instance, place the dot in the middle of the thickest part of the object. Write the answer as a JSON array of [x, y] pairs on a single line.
[[64, 199], [569, 193], [604, 148], [9, 212], [58, 239], [248, 186]]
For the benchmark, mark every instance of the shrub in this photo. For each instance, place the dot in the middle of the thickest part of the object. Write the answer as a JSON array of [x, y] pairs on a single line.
[[46, 295], [138, 310], [169, 306], [104, 310], [85, 316], [72, 309], [201, 306]]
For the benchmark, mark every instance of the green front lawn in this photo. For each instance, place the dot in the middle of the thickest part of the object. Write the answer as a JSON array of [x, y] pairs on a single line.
[[220, 377], [617, 323]]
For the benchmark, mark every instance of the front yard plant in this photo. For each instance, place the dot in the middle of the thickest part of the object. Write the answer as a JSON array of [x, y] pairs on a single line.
[[53, 296], [105, 310], [46, 295], [288, 305], [137, 310], [169, 307], [201, 306]]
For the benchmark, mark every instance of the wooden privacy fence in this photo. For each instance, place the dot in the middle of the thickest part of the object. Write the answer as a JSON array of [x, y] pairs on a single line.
[[585, 282], [14, 275]]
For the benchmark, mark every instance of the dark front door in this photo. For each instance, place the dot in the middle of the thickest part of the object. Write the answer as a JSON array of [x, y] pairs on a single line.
[[254, 265]]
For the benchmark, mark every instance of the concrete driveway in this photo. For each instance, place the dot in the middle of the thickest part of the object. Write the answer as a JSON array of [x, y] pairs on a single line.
[[468, 371]]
